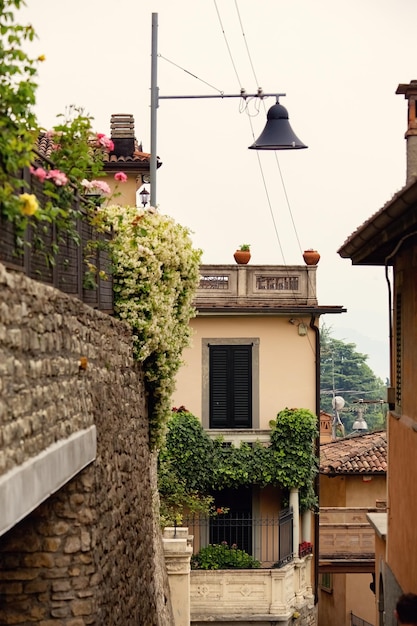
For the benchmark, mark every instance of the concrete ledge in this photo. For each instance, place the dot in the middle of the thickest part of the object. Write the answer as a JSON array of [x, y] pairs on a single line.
[[26, 486], [379, 522]]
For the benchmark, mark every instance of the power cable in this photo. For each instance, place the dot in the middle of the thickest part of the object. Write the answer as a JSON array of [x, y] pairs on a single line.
[[227, 44], [278, 167], [191, 74]]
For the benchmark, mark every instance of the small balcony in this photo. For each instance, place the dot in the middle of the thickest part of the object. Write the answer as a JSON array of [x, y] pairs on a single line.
[[347, 539], [248, 287], [251, 596]]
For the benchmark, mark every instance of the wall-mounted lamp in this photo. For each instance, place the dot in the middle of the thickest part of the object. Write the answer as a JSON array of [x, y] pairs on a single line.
[[302, 328], [144, 197]]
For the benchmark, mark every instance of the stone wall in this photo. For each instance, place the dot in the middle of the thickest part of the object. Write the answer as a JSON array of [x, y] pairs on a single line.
[[90, 553]]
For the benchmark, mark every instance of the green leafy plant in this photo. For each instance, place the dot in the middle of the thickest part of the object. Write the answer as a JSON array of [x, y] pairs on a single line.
[[245, 247], [192, 465], [292, 436], [18, 124], [78, 150], [223, 556], [156, 274]]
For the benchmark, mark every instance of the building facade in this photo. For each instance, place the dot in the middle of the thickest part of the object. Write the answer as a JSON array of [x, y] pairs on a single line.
[[352, 484], [255, 351], [389, 239]]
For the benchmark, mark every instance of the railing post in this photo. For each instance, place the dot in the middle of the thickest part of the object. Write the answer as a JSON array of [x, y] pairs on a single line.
[[178, 551], [242, 281]]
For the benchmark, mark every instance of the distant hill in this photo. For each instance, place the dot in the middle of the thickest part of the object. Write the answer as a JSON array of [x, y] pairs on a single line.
[[377, 351]]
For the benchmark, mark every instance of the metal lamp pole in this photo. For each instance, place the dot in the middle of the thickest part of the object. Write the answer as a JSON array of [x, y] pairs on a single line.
[[279, 136]]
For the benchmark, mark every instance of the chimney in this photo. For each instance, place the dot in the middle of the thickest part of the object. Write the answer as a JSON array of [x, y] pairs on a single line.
[[410, 94], [122, 127]]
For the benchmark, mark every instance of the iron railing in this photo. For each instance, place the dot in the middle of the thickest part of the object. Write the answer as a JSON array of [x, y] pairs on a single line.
[[57, 258], [268, 540]]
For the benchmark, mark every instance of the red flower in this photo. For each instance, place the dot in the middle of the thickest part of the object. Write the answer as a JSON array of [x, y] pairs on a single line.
[[120, 177]]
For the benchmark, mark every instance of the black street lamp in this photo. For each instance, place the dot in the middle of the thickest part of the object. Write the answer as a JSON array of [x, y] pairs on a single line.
[[277, 134]]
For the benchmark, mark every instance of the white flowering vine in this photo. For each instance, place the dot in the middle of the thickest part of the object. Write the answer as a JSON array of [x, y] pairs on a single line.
[[156, 274]]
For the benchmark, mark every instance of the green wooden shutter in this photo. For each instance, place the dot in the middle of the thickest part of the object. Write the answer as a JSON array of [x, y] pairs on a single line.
[[230, 386]]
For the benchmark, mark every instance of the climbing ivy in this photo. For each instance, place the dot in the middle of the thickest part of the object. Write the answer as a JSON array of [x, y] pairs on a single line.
[[192, 465]]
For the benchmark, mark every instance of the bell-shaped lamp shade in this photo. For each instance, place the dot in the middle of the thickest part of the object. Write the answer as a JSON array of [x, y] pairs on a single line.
[[359, 425], [277, 134]]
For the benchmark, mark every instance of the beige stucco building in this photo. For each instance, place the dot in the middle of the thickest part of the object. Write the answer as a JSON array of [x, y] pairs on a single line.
[[274, 311], [255, 351]]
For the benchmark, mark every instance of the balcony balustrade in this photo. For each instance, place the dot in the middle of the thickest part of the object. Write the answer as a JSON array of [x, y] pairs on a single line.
[[256, 286], [346, 534]]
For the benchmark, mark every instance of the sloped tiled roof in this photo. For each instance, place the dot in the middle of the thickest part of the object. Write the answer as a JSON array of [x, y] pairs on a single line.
[[45, 148], [358, 454], [373, 242], [137, 157]]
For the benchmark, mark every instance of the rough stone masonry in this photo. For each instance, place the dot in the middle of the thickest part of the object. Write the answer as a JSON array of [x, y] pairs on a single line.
[[90, 553]]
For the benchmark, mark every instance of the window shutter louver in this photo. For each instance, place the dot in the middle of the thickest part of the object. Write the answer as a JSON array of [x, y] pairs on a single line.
[[230, 386], [218, 386]]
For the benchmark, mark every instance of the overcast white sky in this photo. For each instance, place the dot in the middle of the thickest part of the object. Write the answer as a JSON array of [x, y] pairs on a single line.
[[339, 62]]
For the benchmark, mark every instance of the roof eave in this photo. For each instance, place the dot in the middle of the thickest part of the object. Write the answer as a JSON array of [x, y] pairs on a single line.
[[375, 240], [211, 309]]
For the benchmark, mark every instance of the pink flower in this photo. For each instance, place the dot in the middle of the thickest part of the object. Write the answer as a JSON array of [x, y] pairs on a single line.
[[39, 172], [120, 177], [60, 179], [101, 185], [104, 142], [86, 183]]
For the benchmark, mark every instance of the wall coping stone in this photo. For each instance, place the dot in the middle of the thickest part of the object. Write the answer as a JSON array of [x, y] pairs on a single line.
[[24, 487]]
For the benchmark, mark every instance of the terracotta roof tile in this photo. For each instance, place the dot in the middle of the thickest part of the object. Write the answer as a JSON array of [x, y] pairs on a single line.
[[358, 454], [136, 157], [45, 148], [45, 145]]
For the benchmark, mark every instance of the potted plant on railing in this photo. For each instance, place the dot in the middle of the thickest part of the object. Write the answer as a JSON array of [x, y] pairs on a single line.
[[311, 256], [242, 255], [305, 548]]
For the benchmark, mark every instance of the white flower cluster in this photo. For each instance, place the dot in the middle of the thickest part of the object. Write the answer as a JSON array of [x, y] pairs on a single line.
[[155, 278]]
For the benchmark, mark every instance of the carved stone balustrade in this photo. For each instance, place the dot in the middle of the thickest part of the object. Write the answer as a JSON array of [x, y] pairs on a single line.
[[249, 287]]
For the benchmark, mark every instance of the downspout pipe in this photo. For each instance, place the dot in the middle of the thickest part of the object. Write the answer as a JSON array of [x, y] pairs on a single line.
[[317, 454], [390, 305]]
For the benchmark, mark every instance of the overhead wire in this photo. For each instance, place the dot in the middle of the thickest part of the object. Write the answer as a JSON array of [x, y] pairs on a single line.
[[249, 117], [268, 197], [267, 194], [190, 73], [276, 156], [227, 44]]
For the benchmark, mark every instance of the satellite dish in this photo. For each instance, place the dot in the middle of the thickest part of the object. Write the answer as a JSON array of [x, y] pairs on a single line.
[[338, 403]]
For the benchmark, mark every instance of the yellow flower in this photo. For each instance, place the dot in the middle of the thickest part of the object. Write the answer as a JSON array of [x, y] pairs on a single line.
[[41, 57], [28, 203]]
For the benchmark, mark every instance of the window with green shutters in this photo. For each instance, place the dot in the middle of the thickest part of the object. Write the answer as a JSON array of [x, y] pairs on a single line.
[[230, 386]]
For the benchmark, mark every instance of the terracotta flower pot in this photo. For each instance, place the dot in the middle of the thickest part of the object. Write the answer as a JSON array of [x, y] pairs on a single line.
[[311, 257], [242, 256]]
